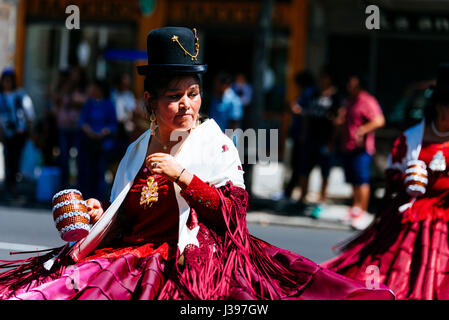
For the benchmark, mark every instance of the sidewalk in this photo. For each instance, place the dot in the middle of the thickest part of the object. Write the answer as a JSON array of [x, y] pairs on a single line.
[[269, 218], [267, 206]]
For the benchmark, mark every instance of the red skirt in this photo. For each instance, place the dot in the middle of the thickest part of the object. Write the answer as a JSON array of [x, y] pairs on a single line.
[[145, 273], [407, 251]]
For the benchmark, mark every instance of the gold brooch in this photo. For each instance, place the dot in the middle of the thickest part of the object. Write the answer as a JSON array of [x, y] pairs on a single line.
[[149, 192], [197, 45]]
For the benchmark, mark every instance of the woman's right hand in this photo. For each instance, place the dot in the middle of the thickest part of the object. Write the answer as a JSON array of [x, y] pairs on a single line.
[[94, 209]]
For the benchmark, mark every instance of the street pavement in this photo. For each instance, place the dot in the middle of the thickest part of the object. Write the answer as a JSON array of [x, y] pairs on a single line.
[[269, 206], [26, 229]]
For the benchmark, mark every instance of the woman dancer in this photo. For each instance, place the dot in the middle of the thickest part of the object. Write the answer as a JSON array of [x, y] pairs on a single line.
[[176, 228], [406, 247]]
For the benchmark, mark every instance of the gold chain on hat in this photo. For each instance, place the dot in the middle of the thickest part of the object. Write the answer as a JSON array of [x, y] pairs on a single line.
[[197, 45]]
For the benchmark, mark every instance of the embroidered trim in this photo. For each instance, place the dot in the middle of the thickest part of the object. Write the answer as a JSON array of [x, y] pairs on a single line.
[[415, 178], [60, 193], [72, 214], [417, 188], [67, 202], [418, 163], [415, 170], [74, 226], [149, 192]]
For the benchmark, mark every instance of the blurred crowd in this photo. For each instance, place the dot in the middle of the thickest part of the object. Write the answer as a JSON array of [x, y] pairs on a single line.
[[86, 126], [334, 124]]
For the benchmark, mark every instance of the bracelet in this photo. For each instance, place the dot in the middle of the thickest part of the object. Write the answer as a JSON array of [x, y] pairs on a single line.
[[176, 181]]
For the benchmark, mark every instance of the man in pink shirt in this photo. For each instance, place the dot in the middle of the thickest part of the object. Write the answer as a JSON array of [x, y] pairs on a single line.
[[361, 116]]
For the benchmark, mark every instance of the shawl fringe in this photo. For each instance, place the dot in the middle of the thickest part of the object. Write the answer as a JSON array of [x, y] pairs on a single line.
[[26, 271], [239, 259]]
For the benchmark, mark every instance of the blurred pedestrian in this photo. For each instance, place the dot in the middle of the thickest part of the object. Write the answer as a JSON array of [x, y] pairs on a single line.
[[140, 120], [319, 133], [125, 103], [407, 246], [243, 89], [226, 106], [68, 103], [46, 135], [59, 90], [16, 119], [98, 123], [307, 86], [362, 116]]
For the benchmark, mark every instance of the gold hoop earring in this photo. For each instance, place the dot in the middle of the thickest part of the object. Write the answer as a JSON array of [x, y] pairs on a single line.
[[197, 122], [153, 123]]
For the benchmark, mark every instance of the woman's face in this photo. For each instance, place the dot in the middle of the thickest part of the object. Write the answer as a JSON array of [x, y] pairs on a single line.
[[177, 107], [7, 84]]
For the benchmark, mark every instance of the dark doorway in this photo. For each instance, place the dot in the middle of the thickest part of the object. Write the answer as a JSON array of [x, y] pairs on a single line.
[[226, 52]]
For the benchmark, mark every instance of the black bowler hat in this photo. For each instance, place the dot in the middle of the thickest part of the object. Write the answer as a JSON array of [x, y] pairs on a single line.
[[173, 50], [441, 88]]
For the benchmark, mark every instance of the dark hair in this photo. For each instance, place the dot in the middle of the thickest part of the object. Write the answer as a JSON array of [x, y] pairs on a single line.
[[103, 86], [83, 79], [117, 80], [329, 72], [434, 99], [304, 79], [12, 76], [157, 84], [363, 82], [224, 78]]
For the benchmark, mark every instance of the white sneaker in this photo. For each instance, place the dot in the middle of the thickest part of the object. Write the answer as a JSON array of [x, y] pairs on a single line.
[[352, 213], [346, 219], [362, 221]]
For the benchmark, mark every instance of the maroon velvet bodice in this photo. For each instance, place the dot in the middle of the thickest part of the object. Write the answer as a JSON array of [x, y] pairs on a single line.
[[156, 223]]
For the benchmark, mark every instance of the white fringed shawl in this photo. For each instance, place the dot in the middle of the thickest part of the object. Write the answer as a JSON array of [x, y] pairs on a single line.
[[202, 153], [413, 137]]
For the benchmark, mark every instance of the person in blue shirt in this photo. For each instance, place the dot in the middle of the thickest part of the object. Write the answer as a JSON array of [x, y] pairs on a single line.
[[16, 117], [226, 107], [307, 86], [98, 123], [243, 89]]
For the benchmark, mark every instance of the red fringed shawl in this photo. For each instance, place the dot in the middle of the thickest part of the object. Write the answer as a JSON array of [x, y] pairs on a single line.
[[230, 263]]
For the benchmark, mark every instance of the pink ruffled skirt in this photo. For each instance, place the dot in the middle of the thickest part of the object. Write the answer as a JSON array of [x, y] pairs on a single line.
[[132, 276]]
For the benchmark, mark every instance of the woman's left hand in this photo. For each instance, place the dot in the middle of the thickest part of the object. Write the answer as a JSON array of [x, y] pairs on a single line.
[[164, 164]]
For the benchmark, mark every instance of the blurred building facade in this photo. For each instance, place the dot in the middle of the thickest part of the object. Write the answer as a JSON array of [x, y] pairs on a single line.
[[411, 41], [43, 44], [8, 27]]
